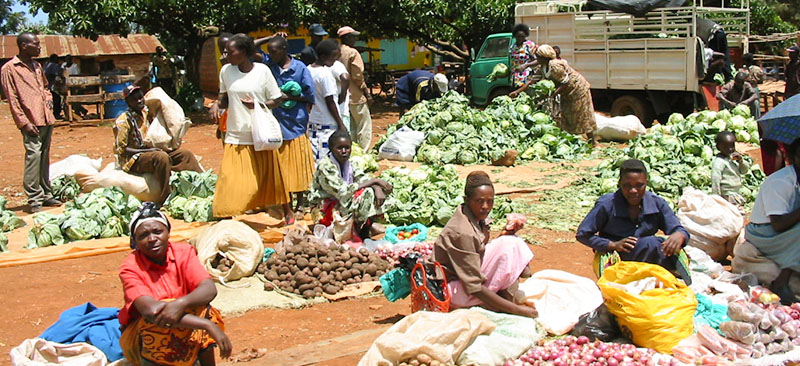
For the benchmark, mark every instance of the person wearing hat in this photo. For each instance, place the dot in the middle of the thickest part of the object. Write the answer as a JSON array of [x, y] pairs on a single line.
[[162, 64], [308, 55], [417, 86], [167, 318], [360, 97], [623, 226], [792, 73], [577, 110], [135, 157]]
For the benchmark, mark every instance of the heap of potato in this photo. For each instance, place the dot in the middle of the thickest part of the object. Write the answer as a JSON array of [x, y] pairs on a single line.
[[308, 269], [422, 360], [223, 264]]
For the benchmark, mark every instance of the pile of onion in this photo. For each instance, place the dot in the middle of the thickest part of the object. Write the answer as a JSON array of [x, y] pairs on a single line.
[[580, 351]]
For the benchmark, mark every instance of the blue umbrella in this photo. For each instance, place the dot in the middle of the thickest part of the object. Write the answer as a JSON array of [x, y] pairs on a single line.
[[782, 123]]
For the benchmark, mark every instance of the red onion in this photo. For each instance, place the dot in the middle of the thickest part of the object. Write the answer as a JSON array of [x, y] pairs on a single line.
[[583, 340], [612, 362]]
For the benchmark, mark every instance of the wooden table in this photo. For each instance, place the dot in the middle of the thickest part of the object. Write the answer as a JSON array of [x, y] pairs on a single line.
[[74, 95]]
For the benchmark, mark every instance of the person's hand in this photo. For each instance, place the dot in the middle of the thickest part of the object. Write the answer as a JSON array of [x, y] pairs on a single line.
[[170, 314], [736, 156], [673, 244], [30, 129], [380, 197], [529, 311], [215, 112], [385, 186], [624, 245], [342, 97], [513, 94], [224, 344], [369, 98], [282, 34], [248, 102]]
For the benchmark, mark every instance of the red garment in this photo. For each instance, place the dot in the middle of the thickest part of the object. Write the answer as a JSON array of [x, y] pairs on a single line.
[[768, 155], [181, 274], [330, 203]]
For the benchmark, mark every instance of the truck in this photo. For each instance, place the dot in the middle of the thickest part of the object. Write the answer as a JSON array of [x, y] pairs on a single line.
[[648, 66]]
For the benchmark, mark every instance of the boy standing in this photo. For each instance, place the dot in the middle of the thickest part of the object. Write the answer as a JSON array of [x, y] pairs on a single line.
[[727, 169]]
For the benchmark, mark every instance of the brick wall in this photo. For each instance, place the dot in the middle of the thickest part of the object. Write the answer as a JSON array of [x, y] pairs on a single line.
[[209, 73]]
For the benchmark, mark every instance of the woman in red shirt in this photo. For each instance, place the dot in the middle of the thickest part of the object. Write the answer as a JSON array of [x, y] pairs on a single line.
[[167, 318]]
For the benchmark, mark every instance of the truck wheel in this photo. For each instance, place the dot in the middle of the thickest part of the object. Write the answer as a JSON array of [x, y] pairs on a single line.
[[629, 104], [497, 93]]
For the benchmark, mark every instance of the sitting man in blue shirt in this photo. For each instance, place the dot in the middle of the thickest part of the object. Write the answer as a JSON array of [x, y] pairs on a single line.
[[419, 85], [622, 226]]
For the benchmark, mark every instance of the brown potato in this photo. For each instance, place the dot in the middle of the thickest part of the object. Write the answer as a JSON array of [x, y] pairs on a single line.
[[309, 294], [366, 278], [316, 271], [330, 289], [423, 358], [302, 262], [268, 286], [272, 275]]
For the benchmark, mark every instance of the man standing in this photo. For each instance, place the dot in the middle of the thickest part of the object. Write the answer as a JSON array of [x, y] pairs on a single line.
[[309, 54], [163, 71], [792, 73], [53, 71], [360, 121], [31, 107], [72, 68]]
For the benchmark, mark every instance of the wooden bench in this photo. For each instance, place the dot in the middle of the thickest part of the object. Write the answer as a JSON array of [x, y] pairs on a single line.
[[99, 98]]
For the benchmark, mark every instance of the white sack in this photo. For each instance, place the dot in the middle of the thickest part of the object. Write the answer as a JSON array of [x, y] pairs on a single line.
[[401, 145]]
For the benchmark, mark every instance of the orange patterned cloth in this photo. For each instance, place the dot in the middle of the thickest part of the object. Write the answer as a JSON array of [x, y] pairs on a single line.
[[168, 346]]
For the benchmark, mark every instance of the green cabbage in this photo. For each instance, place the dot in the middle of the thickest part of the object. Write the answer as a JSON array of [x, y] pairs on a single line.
[[675, 118], [499, 71], [540, 118], [742, 110], [46, 231], [549, 139], [738, 123], [719, 124], [693, 146], [743, 136], [608, 185]]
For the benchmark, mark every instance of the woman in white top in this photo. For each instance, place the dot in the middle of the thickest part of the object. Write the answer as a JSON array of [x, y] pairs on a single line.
[[248, 179], [325, 117], [774, 226]]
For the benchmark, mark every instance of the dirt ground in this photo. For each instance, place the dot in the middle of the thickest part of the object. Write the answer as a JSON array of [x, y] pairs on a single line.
[[35, 295]]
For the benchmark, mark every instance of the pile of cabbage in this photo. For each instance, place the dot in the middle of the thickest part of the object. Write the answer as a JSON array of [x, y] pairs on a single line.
[[429, 195], [65, 188], [8, 221], [362, 160], [679, 154], [102, 213], [456, 133], [192, 196]]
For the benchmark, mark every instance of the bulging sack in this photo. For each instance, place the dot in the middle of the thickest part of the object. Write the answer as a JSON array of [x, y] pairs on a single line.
[[621, 128], [145, 187], [170, 124], [237, 241], [657, 318], [40, 352], [267, 133], [401, 145], [711, 220]]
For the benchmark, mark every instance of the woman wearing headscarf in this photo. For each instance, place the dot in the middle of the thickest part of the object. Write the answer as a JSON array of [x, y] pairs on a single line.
[[577, 110], [167, 318], [479, 272]]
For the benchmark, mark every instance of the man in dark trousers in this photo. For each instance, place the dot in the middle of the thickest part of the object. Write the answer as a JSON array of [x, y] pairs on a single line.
[[308, 55], [792, 73], [53, 71], [419, 85], [31, 107]]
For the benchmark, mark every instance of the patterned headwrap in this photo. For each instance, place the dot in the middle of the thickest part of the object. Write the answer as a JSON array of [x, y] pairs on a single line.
[[148, 212], [546, 51]]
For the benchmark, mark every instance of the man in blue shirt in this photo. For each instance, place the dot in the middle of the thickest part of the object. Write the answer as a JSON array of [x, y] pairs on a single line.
[[419, 85], [627, 221]]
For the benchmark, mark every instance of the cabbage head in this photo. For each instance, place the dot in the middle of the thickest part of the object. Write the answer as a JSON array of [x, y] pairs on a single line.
[[707, 154], [724, 115], [549, 139], [544, 87], [435, 136], [754, 137], [80, 226], [418, 176], [738, 123], [707, 116], [467, 157], [751, 125], [719, 125], [540, 118], [113, 228], [500, 70], [523, 109], [671, 144], [456, 127], [608, 185], [662, 129], [742, 110], [700, 176], [657, 182], [693, 146], [743, 136], [429, 154], [537, 151], [564, 151], [675, 118]]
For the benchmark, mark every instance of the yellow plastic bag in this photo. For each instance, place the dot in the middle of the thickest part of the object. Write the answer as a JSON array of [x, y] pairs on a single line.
[[658, 318]]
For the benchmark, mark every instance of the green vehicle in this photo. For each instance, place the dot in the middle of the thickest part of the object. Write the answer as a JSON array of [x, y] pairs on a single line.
[[493, 51]]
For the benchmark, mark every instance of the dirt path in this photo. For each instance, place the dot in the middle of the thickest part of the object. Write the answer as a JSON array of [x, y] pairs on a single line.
[[35, 295]]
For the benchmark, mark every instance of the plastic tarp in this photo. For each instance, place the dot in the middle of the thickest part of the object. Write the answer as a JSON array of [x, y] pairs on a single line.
[[635, 7], [561, 298], [443, 336]]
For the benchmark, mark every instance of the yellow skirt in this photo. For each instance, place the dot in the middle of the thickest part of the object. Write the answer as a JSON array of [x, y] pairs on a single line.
[[168, 346], [297, 164], [248, 179]]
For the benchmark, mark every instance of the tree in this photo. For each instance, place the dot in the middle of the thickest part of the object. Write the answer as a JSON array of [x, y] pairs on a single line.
[[182, 25], [10, 21], [447, 27]]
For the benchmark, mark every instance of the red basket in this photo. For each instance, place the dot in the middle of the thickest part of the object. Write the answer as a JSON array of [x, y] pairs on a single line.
[[421, 296]]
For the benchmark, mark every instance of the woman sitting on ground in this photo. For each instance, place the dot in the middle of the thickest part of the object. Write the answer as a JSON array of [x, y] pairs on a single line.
[[481, 274], [623, 226], [167, 319], [347, 189], [773, 227]]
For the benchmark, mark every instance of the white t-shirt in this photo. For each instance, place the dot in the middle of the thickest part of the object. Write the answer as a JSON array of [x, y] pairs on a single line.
[[324, 86], [778, 196], [258, 83], [338, 70], [73, 69]]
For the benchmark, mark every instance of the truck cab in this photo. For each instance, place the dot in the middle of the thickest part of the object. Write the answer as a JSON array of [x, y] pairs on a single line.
[[493, 51]]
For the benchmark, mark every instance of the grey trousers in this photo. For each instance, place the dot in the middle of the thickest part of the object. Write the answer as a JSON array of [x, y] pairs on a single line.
[[36, 178]]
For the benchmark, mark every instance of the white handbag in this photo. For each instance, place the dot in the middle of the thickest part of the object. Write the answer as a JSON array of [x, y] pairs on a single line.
[[267, 133]]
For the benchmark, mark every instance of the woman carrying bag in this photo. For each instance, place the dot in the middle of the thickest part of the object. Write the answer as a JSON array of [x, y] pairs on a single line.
[[249, 179]]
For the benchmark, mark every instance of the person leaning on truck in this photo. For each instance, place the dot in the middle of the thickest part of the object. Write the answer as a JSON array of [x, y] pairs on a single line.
[[419, 85], [577, 110]]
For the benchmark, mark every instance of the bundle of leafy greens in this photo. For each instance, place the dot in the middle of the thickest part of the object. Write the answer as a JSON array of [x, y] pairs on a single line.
[[8, 221], [188, 183], [191, 209], [65, 188], [192, 196], [459, 134]]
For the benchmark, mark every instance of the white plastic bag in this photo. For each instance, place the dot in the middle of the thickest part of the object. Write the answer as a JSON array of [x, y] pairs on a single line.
[[710, 220], [237, 241], [73, 164], [267, 133], [401, 145], [170, 123], [40, 352], [561, 298], [621, 128], [145, 187]]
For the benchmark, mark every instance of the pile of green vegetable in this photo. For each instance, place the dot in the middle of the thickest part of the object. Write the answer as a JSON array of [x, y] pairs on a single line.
[[8, 221], [102, 213], [459, 134], [679, 154], [65, 188], [429, 195], [192, 196], [362, 160]]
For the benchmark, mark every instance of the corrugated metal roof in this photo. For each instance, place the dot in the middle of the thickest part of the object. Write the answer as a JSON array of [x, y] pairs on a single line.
[[76, 46]]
